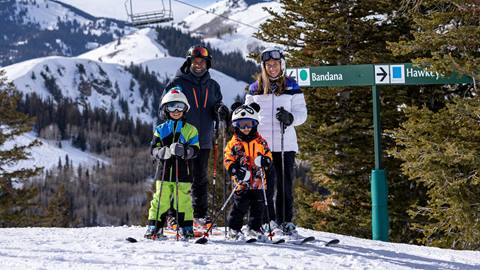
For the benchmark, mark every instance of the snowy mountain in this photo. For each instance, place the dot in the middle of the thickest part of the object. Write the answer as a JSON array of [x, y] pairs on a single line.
[[235, 34], [36, 28], [106, 248], [142, 48], [137, 48], [100, 79], [86, 82]]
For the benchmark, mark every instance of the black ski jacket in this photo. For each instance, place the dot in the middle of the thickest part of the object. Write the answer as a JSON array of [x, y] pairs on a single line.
[[204, 95]]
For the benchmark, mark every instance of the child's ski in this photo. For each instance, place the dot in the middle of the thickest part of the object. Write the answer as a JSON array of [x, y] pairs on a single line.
[[251, 240], [332, 242]]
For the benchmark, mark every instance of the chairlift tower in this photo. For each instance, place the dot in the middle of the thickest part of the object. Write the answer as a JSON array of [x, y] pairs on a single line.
[[150, 18]]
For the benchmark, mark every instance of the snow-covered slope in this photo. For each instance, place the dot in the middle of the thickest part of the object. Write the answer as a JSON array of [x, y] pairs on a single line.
[[37, 28], [136, 48], [234, 36], [106, 248], [48, 14], [141, 48], [47, 154], [87, 82]]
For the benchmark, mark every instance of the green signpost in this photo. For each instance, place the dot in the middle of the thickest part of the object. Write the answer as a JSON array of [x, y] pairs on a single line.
[[373, 75]]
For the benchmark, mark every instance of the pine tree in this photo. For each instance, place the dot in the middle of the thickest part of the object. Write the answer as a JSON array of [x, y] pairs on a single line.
[[13, 124], [441, 151], [446, 36], [337, 139], [59, 209], [439, 148]]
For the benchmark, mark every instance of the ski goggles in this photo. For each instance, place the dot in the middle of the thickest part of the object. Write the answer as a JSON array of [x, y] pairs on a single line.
[[199, 52], [244, 107], [275, 55], [245, 123], [175, 106]]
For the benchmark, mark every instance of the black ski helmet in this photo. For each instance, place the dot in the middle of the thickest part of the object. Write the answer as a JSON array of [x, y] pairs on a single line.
[[197, 51]]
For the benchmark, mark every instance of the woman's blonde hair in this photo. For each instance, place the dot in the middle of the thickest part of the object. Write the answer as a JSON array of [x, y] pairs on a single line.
[[264, 83]]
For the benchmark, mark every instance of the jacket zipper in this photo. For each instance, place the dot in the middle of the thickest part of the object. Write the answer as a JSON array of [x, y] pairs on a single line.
[[173, 140], [206, 98], [195, 96], [273, 121]]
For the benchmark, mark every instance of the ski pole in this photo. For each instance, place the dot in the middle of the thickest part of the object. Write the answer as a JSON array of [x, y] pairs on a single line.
[[224, 134], [282, 127], [161, 187], [176, 195], [215, 160], [262, 174], [204, 239]]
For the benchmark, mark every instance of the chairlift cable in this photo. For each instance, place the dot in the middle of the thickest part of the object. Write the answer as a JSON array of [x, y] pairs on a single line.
[[218, 15]]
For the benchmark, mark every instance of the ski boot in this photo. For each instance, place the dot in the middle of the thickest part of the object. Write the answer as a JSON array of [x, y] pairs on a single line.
[[276, 230], [256, 234], [187, 232], [289, 229], [202, 224], [153, 233], [236, 235]]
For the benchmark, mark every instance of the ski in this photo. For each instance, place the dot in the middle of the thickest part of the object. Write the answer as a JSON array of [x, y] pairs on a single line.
[[251, 240], [163, 238], [332, 242], [204, 240], [307, 239], [131, 239], [279, 241]]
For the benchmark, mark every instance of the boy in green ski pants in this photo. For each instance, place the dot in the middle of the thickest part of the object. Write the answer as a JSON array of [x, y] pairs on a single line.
[[175, 143]]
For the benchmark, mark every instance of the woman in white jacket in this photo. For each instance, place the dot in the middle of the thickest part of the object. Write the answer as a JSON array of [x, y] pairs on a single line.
[[282, 107]]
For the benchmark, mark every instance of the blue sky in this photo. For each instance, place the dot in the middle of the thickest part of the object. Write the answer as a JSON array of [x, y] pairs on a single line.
[[116, 8]]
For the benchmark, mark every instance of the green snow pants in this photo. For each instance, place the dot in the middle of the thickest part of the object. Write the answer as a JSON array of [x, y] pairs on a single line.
[[168, 192]]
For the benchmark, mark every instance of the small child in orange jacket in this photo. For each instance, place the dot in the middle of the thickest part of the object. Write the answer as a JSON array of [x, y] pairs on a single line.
[[243, 153]]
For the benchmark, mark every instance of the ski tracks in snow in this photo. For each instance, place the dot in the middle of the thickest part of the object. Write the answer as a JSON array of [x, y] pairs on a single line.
[[106, 248]]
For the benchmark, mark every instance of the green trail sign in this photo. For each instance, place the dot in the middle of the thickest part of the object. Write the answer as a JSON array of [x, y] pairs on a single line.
[[368, 74], [407, 74], [373, 76], [353, 75]]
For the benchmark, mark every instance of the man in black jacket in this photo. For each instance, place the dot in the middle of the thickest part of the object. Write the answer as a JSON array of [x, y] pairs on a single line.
[[205, 97]]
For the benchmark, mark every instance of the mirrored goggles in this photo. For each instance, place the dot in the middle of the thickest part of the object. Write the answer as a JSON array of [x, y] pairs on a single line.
[[245, 123], [175, 106], [199, 52], [275, 55]]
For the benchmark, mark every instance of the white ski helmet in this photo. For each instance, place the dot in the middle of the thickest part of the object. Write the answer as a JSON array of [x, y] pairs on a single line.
[[275, 53], [174, 94], [246, 112]]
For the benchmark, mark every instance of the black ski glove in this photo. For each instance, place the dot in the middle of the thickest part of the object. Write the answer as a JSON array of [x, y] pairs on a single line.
[[222, 112], [284, 116], [161, 153], [242, 174], [189, 152], [263, 161]]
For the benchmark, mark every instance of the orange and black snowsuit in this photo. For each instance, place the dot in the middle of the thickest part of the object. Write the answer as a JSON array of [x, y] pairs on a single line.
[[242, 153]]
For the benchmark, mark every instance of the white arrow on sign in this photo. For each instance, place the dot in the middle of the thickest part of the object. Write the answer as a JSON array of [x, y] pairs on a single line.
[[382, 74]]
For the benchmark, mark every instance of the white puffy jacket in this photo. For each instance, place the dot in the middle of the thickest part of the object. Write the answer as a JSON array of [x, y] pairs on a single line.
[[291, 100]]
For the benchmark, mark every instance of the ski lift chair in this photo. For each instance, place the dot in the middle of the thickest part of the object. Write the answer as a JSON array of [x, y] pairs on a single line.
[[151, 18]]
